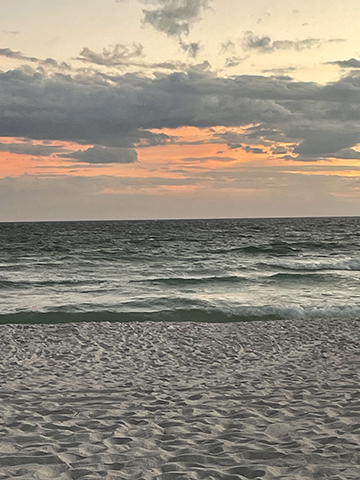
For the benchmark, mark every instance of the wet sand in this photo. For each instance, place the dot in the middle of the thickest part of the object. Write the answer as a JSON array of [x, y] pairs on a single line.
[[261, 400]]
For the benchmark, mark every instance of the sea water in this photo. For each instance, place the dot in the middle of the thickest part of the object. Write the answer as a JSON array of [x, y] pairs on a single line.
[[180, 270]]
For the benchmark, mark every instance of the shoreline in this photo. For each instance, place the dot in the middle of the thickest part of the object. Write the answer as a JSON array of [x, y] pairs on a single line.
[[195, 400]]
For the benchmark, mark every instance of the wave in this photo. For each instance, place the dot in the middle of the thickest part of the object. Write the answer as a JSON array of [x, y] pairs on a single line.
[[272, 249], [352, 264], [312, 277], [242, 314], [9, 284], [178, 281], [269, 249]]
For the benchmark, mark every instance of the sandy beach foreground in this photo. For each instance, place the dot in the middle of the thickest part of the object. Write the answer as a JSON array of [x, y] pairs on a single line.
[[261, 400]]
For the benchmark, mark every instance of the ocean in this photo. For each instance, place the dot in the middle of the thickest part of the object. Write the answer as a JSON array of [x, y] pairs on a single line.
[[218, 270]]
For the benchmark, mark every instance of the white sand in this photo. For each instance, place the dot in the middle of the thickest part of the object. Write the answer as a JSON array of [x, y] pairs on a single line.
[[278, 400]]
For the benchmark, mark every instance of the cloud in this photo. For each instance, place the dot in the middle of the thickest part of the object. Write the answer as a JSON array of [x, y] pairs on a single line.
[[131, 56], [119, 55], [326, 141], [258, 135], [48, 62], [99, 155], [208, 159], [351, 63], [174, 17], [30, 149], [250, 149], [280, 72], [119, 111], [191, 48], [233, 61], [265, 44], [7, 52], [37, 106], [279, 150], [228, 47], [347, 154]]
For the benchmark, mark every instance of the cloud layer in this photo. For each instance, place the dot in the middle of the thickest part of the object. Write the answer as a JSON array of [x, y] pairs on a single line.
[[119, 111]]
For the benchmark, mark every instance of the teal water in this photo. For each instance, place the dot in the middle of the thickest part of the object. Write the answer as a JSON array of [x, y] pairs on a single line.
[[180, 270]]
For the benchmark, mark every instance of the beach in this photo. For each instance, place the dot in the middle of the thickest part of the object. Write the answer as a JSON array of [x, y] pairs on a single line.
[[252, 400]]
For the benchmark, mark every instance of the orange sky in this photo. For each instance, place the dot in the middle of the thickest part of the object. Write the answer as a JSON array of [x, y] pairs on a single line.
[[173, 160]]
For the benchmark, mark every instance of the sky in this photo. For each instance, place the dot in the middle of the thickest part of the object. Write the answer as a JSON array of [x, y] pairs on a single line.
[[135, 109]]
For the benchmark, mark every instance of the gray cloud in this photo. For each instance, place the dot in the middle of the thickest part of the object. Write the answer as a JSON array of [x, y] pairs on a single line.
[[29, 149], [279, 150], [347, 154], [131, 56], [207, 159], [228, 47], [100, 155], [48, 62], [174, 17], [191, 48], [7, 52], [279, 72], [250, 149], [265, 44], [325, 141], [254, 135], [36, 106], [119, 111], [119, 55], [233, 61], [351, 63]]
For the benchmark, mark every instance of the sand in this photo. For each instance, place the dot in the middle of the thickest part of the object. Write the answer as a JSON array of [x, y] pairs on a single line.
[[261, 400]]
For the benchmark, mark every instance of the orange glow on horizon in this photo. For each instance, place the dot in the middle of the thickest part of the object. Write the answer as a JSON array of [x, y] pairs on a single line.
[[192, 151]]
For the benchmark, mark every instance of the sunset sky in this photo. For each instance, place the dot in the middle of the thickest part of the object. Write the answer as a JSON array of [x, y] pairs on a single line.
[[122, 109]]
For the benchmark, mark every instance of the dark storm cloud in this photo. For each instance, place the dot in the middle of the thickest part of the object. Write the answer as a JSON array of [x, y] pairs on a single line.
[[320, 120], [99, 154], [174, 17], [265, 44], [351, 63]]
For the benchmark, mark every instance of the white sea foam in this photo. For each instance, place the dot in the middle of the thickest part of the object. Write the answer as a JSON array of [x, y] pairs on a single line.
[[315, 264]]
